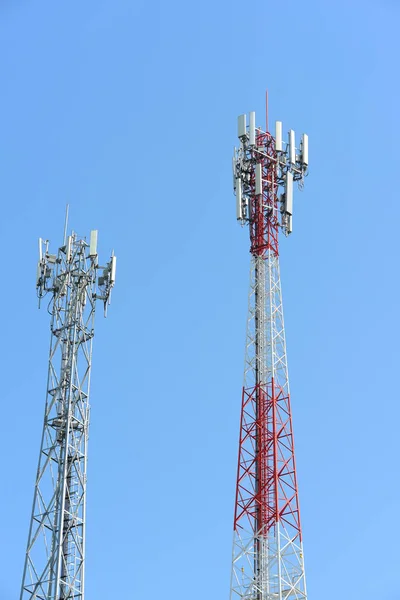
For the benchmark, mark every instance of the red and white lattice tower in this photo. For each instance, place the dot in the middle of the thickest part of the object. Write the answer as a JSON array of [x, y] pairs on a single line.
[[267, 547]]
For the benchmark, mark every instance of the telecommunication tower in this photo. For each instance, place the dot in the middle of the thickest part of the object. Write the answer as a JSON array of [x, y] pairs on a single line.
[[55, 555], [267, 546]]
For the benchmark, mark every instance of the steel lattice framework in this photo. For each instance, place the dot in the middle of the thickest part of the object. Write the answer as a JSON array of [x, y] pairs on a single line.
[[55, 555], [267, 547]]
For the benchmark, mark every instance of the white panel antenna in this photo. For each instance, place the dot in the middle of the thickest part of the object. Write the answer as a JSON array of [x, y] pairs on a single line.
[[93, 243], [113, 269], [242, 133], [278, 136], [239, 209], [259, 186], [40, 250], [304, 150], [38, 273], [252, 129], [289, 193], [68, 248], [292, 147]]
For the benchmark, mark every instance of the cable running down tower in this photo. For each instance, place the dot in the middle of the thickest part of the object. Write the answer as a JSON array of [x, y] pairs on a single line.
[[55, 555], [267, 547]]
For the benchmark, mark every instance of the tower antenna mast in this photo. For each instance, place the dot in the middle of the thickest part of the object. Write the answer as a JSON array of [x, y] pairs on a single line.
[[54, 567], [267, 547]]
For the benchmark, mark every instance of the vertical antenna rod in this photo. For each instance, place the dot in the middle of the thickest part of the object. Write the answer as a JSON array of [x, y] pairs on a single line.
[[267, 547], [66, 224], [55, 555]]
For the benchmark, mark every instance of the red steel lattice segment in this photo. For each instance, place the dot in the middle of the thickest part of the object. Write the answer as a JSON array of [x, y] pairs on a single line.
[[266, 490]]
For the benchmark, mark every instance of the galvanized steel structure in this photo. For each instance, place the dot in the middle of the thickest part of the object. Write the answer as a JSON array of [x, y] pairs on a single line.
[[54, 566], [267, 547]]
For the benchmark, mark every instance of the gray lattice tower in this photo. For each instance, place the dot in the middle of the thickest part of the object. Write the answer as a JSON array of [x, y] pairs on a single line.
[[55, 555]]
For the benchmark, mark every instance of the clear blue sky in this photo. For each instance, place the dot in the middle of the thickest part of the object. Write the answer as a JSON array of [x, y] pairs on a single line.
[[127, 110]]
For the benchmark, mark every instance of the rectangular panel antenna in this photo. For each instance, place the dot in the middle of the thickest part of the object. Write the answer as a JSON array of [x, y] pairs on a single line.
[[239, 210], [292, 147], [289, 193], [38, 274], [259, 186], [40, 250], [252, 129], [113, 269], [278, 136], [68, 249], [242, 126], [93, 243], [304, 150]]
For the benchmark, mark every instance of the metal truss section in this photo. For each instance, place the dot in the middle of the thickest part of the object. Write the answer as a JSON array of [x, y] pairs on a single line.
[[55, 555], [267, 559], [267, 547]]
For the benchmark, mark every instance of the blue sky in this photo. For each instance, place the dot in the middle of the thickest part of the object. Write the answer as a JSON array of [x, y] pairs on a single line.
[[127, 110]]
